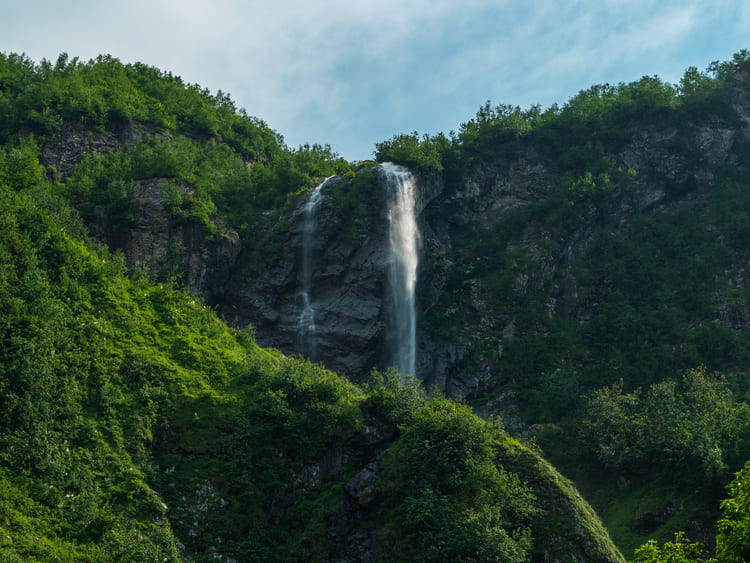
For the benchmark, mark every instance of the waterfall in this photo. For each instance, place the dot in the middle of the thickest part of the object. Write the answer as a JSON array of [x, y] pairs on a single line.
[[306, 320], [402, 274]]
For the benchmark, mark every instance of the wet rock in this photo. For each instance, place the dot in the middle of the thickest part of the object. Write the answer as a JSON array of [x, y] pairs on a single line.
[[364, 486], [349, 290]]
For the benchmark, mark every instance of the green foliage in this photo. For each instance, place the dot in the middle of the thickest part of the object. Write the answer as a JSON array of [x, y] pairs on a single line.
[[234, 162], [696, 420], [492, 131], [355, 196], [594, 124], [396, 397], [116, 393], [69, 433], [679, 551], [214, 180], [454, 500], [95, 369], [20, 166], [321, 404], [423, 155], [732, 542], [725, 70], [129, 413], [103, 93]]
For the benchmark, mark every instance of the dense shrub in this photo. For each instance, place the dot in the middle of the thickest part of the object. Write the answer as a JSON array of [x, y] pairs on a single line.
[[453, 498], [694, 421]]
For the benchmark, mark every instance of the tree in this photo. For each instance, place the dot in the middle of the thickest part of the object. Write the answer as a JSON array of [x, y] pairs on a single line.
[[424, 155]]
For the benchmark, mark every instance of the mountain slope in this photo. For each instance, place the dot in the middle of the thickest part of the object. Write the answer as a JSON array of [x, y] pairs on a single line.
[[136, 426], [582, 275]]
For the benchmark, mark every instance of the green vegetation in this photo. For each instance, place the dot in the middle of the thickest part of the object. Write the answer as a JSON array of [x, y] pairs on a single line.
[[620, 341], [136, 426], [112, 387], [102, 93], [73, 425], [578, 139], [235, 163], [454, 501], [421, 155], [695, 422], [732, 542]]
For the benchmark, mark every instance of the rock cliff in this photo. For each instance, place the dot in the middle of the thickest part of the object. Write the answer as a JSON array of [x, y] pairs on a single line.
[[349, 290], [198, 255], [494, 212], [500, 209], [497, 210]]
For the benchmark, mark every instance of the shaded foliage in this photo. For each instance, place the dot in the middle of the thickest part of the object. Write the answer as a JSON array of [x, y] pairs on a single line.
[[696, 421], [454, 499], [732, 542]]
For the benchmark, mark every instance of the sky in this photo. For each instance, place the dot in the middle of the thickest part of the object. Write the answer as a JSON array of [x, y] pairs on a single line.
[[351, 73]]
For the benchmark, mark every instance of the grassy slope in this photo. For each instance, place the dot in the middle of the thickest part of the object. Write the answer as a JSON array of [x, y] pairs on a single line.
[[133, 417]]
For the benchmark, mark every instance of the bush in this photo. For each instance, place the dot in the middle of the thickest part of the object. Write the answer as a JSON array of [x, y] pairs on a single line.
[[424, 155], [670, 424], [396, 397], [453, 500]]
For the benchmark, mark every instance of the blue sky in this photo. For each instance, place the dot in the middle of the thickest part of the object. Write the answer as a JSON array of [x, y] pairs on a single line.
[[351, 73]]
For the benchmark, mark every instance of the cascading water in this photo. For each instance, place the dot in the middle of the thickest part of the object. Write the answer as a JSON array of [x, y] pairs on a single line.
[[404, 240], [306, 320]]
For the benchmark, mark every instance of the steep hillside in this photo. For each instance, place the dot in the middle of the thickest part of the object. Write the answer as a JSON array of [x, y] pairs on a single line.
[[582, 278], [582, 275], [135, 425], [138, 427]]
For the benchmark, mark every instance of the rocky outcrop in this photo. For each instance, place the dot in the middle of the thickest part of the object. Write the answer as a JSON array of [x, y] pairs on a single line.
[[662, 166], [200, 255], [76, 139], [197, 254], [349, 290]]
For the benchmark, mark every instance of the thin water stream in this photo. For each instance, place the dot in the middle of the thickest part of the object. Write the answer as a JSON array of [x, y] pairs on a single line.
[[306, 320]]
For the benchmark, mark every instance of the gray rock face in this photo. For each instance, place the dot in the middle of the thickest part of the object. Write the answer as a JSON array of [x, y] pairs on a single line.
[[666, 167], [365, 485], [349, 292], [346, 292], [201, 260], [76, 140]]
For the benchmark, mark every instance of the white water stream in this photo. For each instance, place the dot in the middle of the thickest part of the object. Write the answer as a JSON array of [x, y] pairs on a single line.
[[404, 259], [306, 321]]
